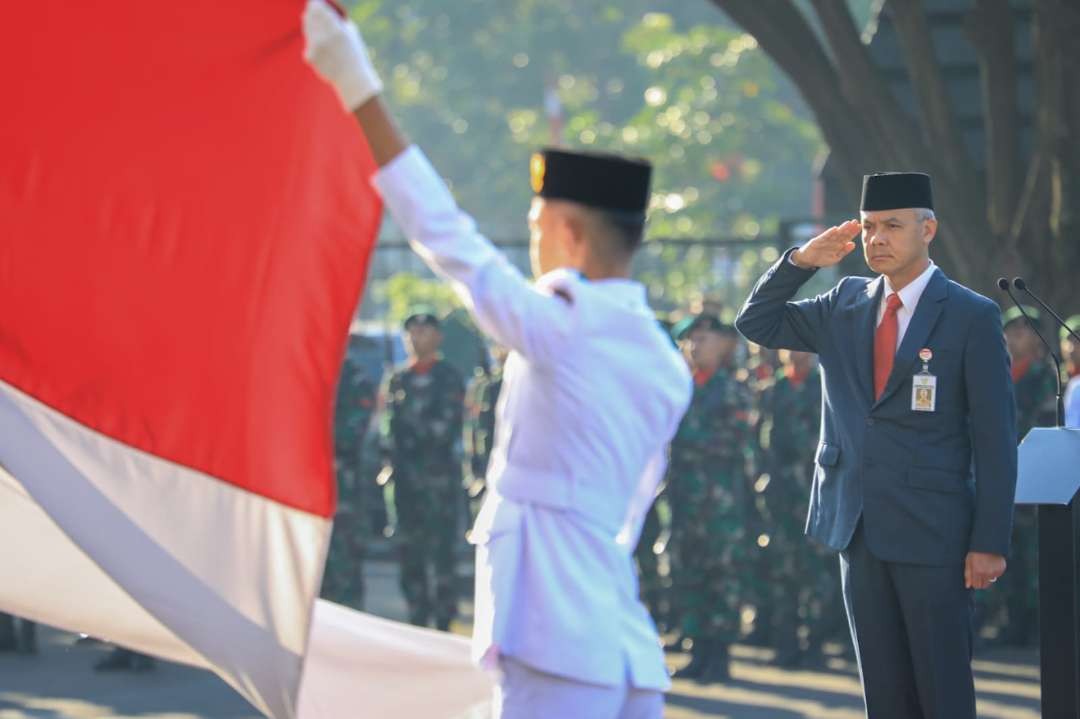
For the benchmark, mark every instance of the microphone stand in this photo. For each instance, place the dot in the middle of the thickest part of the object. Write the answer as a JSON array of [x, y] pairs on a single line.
[[1019, 282], [1059, 544]]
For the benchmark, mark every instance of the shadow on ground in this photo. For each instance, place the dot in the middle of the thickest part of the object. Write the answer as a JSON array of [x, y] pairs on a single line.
[[59, 682]]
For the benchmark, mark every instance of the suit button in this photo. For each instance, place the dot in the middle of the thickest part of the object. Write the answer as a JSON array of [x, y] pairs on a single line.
[[869, 421]]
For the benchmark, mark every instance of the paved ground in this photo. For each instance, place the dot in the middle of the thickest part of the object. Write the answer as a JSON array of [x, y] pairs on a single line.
[[59, 683]]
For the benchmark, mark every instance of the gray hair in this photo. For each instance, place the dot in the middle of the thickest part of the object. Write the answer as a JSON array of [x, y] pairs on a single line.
[[925, 214]]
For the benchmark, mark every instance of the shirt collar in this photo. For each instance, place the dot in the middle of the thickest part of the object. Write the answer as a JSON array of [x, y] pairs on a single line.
[[913, 291], [626, 291]]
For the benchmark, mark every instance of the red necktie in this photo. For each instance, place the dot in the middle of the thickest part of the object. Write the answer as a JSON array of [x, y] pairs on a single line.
[[885, 344]]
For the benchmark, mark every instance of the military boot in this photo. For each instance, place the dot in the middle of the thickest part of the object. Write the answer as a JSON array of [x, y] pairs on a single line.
[[718, 670], [700, 656]]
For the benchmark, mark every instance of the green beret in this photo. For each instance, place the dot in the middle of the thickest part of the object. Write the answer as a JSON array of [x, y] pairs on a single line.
[[1074, 325], [680, 328], [1013, 314], [422, 317], [710, 322]]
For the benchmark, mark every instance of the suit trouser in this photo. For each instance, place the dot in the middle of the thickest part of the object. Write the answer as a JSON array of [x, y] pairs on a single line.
[[525, 693], [911, 625]]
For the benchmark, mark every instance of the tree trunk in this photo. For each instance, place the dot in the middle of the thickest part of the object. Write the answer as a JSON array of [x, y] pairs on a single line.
[[1022, 220]]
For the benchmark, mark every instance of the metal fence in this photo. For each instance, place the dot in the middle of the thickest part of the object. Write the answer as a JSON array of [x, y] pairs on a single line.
[[680, 274]]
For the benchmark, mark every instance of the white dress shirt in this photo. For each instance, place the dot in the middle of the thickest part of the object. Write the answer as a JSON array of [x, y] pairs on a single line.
[[909, 295], [592, 393]]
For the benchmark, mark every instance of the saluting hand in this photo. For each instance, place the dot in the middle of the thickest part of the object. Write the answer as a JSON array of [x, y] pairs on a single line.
[[981, 569], [829, 247]]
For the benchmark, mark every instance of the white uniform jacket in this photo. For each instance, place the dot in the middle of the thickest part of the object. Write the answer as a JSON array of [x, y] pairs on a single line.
[[592, 393]]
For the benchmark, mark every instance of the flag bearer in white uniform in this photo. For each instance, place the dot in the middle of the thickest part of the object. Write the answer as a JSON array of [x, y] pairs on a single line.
[[593, 391]]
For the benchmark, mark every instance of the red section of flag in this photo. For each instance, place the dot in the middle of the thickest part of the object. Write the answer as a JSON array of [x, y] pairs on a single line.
[[185, 224]]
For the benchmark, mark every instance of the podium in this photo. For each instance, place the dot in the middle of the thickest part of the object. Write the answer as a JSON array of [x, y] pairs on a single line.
[[1049, 478]]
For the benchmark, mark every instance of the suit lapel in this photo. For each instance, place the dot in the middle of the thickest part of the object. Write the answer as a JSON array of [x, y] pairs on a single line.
[[922, 323], [864, 314]]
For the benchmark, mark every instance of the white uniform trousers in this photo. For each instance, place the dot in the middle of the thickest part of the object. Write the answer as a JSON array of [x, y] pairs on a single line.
[[525, 693]]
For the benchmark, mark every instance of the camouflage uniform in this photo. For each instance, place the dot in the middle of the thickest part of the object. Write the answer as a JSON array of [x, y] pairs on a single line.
[[654, 588], [708, 493], [647, 558], [1017, 593], [804, 577], [422, 431], [343, 581], [760, 374], [480, 427]]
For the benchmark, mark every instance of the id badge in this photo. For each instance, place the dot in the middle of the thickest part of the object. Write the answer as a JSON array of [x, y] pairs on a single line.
[[924, 385], [924, 392]]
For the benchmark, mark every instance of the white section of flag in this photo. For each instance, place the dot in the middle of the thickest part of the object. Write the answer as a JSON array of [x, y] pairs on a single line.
[[359, 665], [157, 557], [101, 538]]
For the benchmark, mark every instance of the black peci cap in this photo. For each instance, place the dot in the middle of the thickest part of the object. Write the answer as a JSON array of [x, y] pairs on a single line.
[[599, 180], [896, 190]]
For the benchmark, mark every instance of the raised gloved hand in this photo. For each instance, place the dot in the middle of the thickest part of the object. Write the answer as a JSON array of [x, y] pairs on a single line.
[[333, 46]]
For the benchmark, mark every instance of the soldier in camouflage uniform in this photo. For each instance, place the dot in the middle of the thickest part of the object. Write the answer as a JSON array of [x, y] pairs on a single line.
[[480, 426], [760, 374], [422, 428], [647, 558], [344, 578], [709, 496], [1035, 389], [654, 588], [804, 577]]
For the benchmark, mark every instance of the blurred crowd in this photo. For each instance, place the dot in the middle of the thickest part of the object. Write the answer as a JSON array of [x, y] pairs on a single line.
[[722, 557]]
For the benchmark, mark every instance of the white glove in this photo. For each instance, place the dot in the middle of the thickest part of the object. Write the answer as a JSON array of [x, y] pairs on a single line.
[[335, 49]]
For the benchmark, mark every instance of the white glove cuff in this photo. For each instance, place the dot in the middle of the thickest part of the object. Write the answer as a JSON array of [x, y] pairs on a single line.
[[359, 83]]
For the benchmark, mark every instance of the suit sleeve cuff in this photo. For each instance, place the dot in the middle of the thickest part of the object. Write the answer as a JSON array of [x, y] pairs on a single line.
[[789, 262]]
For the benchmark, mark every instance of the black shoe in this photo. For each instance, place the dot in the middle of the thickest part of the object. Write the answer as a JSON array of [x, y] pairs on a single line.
[[117, 661], [790, 658], [443, 625], [700, 656], [760, 636], [718, 670]]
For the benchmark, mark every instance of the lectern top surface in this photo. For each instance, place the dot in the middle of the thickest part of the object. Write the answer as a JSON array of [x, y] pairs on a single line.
[[1049, 466]]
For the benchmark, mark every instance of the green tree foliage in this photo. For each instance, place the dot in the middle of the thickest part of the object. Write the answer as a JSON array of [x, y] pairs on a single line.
[[667, 79], [404, 293]]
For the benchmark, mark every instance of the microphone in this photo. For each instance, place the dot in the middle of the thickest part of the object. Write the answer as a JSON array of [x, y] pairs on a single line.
[[1021, 285]]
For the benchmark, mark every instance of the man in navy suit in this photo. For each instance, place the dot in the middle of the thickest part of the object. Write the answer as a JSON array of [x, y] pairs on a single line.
[[916, 470]]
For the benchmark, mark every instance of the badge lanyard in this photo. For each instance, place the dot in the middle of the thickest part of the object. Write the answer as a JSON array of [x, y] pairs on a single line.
[[924, 386]]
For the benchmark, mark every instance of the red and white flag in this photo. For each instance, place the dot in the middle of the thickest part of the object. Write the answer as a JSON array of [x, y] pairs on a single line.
[[185, 223]]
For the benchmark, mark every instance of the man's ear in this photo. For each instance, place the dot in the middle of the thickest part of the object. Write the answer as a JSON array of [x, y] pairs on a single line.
[[575, 230], [930, 230]]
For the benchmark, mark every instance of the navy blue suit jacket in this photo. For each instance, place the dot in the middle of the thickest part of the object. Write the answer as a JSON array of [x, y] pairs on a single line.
[[930, 486]]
